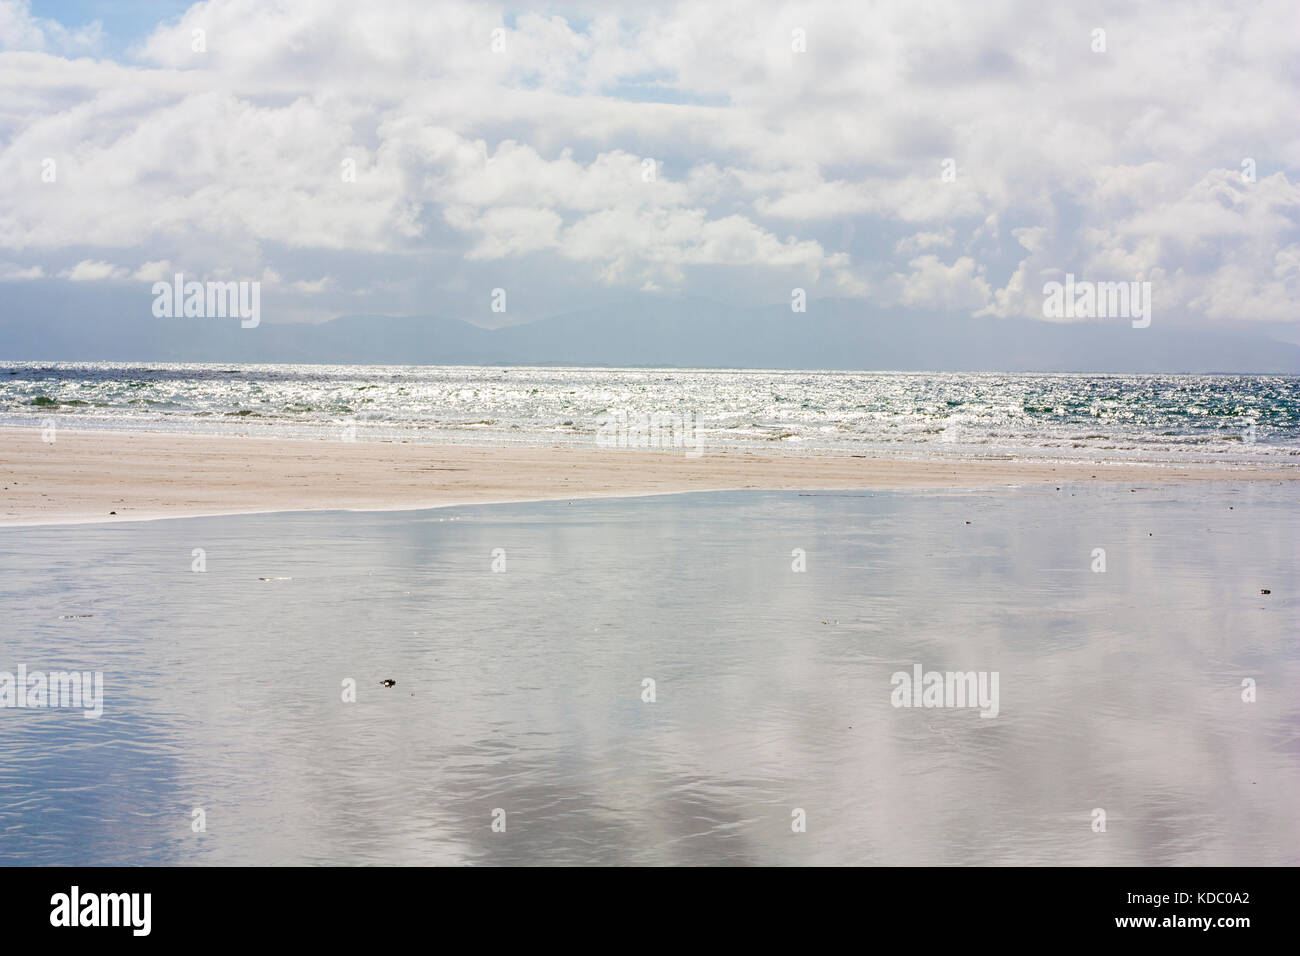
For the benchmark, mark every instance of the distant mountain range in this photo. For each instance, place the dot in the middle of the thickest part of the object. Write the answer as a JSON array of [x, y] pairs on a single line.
[[682, 332]]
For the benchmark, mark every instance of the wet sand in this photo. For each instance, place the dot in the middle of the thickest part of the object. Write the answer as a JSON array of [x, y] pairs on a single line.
[[520, 683], [129, 476]]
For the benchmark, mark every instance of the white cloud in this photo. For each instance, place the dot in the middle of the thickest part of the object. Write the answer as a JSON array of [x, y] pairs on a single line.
[[155, 271], [931, 284], [92, 270], [12, 272], [917, 242], [19, 30], [237, 160]]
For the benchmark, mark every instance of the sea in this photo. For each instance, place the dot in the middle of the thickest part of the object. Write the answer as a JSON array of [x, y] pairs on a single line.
[[1174, 418]]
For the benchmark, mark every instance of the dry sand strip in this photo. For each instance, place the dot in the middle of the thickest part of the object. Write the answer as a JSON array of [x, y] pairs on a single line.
[[125, 476]]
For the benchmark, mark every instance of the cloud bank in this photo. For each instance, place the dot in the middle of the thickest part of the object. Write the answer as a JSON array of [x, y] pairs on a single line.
[[410, 157]]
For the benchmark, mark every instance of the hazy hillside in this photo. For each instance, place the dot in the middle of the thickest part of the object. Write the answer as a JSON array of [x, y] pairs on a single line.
[[832, 334]]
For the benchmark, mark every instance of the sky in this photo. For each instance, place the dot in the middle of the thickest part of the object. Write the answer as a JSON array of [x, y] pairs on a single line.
[[409, 158]]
